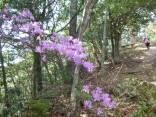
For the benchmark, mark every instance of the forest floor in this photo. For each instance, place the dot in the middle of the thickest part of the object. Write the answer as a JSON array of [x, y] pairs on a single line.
[[141, 63], [131, 81], [136, 70]]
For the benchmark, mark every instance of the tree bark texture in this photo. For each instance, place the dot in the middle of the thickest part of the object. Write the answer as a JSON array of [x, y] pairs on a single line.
[[4, 78], [72, 32], [117, 38], [37, 70], [86, 16], [112, 38], [104, 43], [73, 23]]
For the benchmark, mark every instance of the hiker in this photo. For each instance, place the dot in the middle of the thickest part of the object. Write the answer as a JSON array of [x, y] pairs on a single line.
[[147, 42]]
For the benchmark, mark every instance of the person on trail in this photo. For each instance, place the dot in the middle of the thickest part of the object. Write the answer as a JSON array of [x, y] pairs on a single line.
[[147, 42]]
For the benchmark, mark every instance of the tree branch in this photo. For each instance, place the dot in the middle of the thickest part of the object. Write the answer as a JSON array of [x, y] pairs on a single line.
[[70, 20]]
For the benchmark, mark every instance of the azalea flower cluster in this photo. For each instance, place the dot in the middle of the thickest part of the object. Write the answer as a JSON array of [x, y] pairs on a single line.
[[71, 48], [3, 21], [24, 22], [18, 23], [3, 14], [103, 99]]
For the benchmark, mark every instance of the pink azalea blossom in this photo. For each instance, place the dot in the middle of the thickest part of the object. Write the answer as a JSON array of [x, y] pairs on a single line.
[[86, 88], [99, 111], [96, 96], [39, 49], [89, 66], [88, 103], [44, 58]]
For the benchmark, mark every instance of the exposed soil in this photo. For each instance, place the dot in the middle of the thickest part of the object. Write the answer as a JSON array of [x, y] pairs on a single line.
[[141, 63]]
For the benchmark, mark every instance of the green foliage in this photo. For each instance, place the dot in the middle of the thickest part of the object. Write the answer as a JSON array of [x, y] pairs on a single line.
[[66, 77], [145, 109], [141, 93], [36, 108], [16, 101], [135, 90], [1, 3], [1, 97], [53, 91], [39, 105], [153, 41], [150, 32], [123, 12], [83, 95]]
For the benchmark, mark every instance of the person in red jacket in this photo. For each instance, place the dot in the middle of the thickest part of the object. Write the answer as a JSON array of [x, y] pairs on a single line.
[[147, 42]]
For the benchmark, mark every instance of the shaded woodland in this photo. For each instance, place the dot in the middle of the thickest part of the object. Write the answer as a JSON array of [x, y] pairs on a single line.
[[52, 51]]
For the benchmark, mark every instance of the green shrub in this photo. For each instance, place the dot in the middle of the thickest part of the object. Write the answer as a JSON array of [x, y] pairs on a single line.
[[145, 109], [36, 108], [134, 89], [153, 41]]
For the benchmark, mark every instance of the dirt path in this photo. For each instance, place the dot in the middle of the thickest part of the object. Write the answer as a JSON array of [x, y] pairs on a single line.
[[141, 63], [149, 55]]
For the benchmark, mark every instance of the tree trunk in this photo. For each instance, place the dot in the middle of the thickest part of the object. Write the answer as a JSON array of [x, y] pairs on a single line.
[[96, 53], [106, 50], [37, 70], [73, 23], [4, 78], [74, 89], [112, 38], [72, 32], [86, 16], [117, 38], [104, 43]]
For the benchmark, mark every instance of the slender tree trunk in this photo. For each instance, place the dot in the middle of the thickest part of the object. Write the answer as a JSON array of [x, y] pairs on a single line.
[[104, 43], [96, 52], [72, 32], [117, 37], [37, 70], [4, 78], [112, 38], [113, 48], [116, 32], [86, 16], [74, 89], [73, 23]]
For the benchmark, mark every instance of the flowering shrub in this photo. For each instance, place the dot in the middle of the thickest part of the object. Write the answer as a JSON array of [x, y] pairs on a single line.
[[99, 100], [30, 33], [71, 48]]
